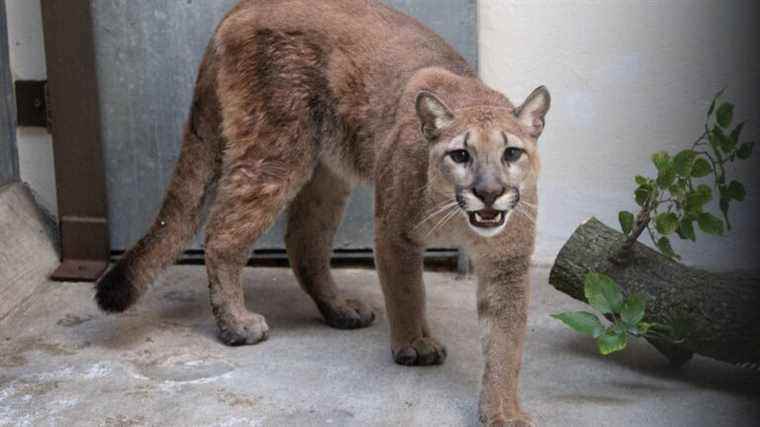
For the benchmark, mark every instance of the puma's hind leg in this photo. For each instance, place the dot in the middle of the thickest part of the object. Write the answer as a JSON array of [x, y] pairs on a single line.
[[277, 109], [313, 218], [251, 194]]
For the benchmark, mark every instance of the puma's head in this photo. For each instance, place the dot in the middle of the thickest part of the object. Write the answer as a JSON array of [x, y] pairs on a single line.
[[484, 157]]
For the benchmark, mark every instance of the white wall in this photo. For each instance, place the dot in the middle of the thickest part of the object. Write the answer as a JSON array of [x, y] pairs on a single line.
[[628, 78], [27, 61]]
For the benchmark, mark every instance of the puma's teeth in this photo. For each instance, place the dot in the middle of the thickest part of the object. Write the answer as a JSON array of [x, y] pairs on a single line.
[[494, 220]]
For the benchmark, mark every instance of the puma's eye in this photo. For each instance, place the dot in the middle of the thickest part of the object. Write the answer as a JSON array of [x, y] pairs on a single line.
[[513, 154], [460, 156]]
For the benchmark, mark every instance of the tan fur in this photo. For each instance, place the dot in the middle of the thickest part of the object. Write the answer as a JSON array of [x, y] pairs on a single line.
[[297, 101]]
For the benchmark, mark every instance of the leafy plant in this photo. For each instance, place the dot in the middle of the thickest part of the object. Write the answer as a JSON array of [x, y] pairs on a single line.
[[624, 316], [675, 202]]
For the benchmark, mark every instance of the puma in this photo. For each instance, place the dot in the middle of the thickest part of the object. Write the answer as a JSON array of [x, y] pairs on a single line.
[[299, 100]]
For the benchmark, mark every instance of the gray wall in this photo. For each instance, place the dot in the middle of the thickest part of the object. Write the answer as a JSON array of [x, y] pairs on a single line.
[[8, 155], [147, 55]]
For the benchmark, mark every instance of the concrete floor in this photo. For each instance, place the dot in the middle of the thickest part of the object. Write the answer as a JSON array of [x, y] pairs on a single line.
[[64, 363]]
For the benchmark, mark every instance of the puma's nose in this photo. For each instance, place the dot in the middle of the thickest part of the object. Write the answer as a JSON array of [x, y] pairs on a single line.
[[488, 194]]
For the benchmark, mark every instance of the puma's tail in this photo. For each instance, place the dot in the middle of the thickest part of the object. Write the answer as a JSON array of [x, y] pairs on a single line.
[[176, 224]]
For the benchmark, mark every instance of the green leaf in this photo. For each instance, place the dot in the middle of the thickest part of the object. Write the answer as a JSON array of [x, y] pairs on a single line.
[[712, 106], [675, 330], [745, 150], [714, 139], [680, 189], [603, 293], [725, 114], [666, 177], [683, 162], [666, 223], [701, 168], [611, 341], [737, 132], [644, 327], [715, 102], [710, 224], [661, 160], [640, 180], [626, 222], [633, 310], [697, 199], [705, 192], [686, 229], [726, 144], [736, 191], [666, 248], [582, 321], [642, 195]]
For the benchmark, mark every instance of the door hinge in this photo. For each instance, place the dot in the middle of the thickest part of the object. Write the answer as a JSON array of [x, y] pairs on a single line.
[[31, 104]]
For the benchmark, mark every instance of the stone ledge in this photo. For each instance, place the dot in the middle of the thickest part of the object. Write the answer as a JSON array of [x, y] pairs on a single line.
[[28, 251]]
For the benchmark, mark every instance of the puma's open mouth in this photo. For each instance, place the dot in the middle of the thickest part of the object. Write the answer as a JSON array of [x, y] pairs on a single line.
[[487, 218]]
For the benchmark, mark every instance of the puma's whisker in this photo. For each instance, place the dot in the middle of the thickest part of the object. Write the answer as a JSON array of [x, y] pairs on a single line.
[[452, 216], [449, 215], [438, 211], [526, 215]]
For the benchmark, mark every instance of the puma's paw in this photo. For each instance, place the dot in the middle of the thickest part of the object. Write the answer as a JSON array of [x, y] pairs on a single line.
[[423, 351], [248, 330], [346, 314], [520, 420]]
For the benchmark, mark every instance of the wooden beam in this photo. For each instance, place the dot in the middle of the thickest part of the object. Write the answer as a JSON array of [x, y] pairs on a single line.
[[75, 116]]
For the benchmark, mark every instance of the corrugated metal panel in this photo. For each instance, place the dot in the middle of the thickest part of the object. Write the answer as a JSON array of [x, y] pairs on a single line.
[[147, 54], [8, 155]]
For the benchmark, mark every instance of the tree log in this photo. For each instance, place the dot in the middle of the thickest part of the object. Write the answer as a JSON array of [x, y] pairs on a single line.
[[721, 311]]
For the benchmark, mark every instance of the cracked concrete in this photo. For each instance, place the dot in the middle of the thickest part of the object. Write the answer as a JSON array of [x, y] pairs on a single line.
[[64, 363]]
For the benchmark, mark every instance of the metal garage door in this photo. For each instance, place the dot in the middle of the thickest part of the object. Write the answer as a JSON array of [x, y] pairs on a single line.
[[147, 53]]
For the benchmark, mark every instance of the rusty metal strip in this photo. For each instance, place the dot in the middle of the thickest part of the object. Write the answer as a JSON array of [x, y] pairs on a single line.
[[75, 125]]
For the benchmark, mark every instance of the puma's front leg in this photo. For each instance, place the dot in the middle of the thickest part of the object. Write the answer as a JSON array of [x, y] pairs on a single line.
[[399, 265], [503, 295]]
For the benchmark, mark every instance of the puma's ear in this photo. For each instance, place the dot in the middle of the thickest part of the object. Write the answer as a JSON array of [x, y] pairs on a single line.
[[532, 114], [434, 115]]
